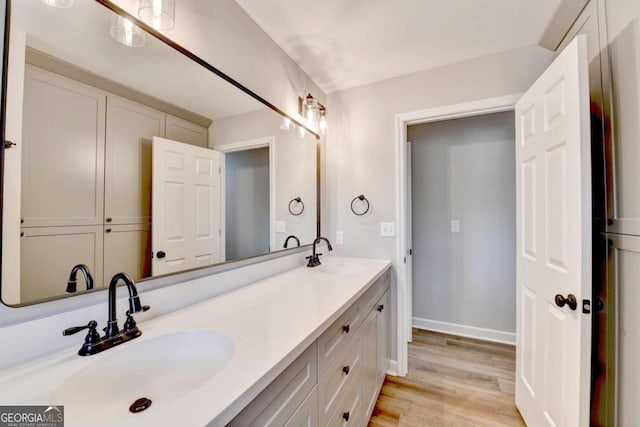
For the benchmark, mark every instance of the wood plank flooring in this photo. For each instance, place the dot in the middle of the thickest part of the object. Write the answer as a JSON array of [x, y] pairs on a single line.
[[452, 381]]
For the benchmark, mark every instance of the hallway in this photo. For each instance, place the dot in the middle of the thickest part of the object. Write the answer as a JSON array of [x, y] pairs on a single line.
[[452, 381]]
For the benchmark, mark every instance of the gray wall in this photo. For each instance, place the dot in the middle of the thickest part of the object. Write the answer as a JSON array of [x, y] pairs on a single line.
[[464, 170], [246, 203], [360, 155]]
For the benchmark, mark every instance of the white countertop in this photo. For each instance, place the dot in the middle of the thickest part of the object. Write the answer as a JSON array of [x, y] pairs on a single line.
[[271, 322]]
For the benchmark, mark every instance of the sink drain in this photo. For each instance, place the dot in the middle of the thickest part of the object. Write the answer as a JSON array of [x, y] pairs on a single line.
[[140, 405]]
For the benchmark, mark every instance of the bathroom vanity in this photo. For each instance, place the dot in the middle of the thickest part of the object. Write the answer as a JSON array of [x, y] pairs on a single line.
[[309, 346]]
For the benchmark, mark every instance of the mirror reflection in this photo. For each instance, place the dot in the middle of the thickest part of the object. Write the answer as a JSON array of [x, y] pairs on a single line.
[[131, 157]]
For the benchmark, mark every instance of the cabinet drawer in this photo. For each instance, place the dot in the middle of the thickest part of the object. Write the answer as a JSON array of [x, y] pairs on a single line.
[[349, 412], [339, 376], [337, 336], [307, 414], [276, 404], [369, 300]]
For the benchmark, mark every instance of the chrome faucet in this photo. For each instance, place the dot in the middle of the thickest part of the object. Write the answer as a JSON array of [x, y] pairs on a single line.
[[93, 343], [73, 278], [314, 258], [286, 241]]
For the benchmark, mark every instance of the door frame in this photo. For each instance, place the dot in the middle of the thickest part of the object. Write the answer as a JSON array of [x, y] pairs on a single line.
[[404, 297], [245, 145]]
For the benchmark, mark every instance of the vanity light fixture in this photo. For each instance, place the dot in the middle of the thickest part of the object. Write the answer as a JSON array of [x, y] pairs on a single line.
[[126, 32], [58, 3], [314, 114], [160, 14], [287, 124]]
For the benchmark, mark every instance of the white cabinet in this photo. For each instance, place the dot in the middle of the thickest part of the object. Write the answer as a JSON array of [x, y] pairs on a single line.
[[376, 333], [62, 151], [130, 128], [383, 332], [45, 268], [276, 404], [350, 359], [86, 161], [181, 130], [127, 248]]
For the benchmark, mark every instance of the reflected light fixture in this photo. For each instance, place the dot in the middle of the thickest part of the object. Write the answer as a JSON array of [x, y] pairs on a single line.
[[160, 14], [58, 3], [287, 124], [314, 113], [126, 32]]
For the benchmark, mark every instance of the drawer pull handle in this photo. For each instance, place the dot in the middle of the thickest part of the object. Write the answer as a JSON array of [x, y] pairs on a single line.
[[346, 369], [380, 308], [345, 415], [345, 329]]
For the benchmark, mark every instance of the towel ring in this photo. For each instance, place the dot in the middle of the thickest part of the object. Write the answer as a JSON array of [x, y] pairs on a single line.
[[297, 201], [362, 199]]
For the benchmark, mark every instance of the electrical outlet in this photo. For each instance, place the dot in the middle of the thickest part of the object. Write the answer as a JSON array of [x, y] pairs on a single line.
[[281, 227], [387, 229], [455, 226], [339, 237]]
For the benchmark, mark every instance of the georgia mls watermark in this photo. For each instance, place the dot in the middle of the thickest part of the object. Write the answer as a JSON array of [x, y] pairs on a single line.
[[32, 416]]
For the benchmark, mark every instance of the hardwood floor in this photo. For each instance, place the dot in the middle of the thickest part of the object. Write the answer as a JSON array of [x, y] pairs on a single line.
[[452, 381]]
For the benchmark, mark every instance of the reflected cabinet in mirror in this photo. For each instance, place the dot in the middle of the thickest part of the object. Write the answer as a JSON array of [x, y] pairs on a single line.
[[129, 156]]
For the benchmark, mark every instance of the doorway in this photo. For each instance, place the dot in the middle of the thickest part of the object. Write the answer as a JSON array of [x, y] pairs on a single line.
[[404, 253], [463, 228], [248, 197]]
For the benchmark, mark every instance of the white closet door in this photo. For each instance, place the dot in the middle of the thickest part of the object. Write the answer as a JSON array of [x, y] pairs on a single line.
[[186, 206], [130, 128], [62, 151], [553, 196]]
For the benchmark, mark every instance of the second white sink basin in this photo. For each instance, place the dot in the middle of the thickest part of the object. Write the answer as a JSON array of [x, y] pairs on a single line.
[[161, 369]]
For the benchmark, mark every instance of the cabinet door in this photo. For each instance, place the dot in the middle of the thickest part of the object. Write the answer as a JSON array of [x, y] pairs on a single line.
[[47, 255], [62, 151], [307, 413], [127, 248], [130, 128], [187, 132], [383, 330]]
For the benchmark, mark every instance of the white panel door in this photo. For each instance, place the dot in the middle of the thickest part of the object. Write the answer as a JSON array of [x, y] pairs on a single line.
[[185, 206], [554, 244]]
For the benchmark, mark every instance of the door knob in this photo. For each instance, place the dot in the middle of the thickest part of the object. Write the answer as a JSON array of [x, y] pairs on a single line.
[[161, 254], [570, 300]]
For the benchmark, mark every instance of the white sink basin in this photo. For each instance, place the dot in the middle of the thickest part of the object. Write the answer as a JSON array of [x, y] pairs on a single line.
[[161, 369], [341, 268]]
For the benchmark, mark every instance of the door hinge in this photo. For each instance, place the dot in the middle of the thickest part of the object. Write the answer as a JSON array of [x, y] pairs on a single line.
[[586, 306], [219, 171], [9, 144], [405, 260]]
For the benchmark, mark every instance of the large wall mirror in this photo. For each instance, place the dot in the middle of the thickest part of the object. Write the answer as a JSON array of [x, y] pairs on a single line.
[[127, 155]]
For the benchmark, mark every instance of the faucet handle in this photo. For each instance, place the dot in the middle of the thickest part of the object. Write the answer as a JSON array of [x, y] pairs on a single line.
[[75, 329], [92, 337]]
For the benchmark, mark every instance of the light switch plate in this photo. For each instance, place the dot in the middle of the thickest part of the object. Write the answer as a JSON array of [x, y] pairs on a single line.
[[455, 226], [339, 237], [387, 229], [281, 227]]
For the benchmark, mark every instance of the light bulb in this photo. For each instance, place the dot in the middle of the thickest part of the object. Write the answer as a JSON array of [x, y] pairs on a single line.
[[323, 127], [58, 3], [160, 14], [126, 32], [287, 124]]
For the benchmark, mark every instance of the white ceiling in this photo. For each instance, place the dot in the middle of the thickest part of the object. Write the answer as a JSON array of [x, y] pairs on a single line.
[[346, 43]]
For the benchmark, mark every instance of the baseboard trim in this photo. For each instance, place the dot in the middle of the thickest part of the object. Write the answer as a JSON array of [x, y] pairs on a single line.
[[465, 331], [392, 368]]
